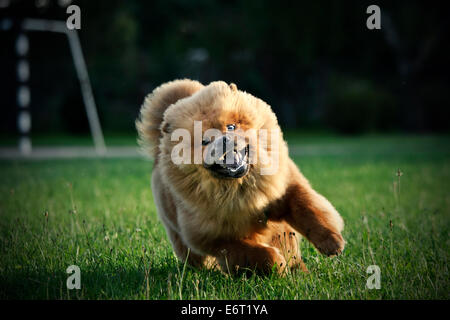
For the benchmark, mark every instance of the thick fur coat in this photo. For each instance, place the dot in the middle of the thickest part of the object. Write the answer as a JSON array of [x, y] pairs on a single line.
[[252, 222]]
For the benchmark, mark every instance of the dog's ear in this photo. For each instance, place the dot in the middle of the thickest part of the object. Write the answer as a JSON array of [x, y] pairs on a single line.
[[165, 127]]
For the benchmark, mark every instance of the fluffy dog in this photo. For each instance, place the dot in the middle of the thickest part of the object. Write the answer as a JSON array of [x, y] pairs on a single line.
[[230, 214]]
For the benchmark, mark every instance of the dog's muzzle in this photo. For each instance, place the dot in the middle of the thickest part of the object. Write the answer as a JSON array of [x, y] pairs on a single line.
[[228, 157]]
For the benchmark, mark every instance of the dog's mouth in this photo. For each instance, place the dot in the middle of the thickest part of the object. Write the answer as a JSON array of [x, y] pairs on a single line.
[[231, 164]]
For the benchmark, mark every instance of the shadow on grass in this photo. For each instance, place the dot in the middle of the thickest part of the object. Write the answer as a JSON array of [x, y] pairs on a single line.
[[161, 282]]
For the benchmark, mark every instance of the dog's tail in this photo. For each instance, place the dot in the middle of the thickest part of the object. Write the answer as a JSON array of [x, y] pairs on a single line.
[[155, 104]]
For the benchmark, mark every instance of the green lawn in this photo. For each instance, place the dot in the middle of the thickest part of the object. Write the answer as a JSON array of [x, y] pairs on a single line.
[[101, 217]]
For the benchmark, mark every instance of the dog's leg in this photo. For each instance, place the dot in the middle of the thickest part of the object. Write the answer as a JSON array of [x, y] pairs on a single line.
[[314, 217], [236, 256], [282, 236], [182, 251]]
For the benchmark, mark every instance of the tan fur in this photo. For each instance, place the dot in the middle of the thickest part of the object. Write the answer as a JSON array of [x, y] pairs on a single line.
[[154, 106], [249, 222]]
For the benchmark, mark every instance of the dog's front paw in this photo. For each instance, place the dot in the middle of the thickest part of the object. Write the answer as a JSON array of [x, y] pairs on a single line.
[[330, 244], [258, 258]]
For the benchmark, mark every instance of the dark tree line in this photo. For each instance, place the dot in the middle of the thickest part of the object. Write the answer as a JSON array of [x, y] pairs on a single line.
[[314, 62]]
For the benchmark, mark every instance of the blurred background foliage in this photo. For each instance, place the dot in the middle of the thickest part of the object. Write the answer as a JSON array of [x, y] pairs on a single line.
[[314, 62]]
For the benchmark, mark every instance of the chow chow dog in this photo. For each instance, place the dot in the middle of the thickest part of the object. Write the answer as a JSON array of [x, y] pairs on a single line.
[[245, 213]]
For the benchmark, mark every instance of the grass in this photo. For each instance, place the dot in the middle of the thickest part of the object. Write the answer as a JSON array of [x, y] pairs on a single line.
[[100, 215], [67, 140]]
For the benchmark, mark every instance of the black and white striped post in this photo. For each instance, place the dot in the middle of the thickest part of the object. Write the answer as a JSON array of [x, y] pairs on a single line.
[[81, 69], [23, 93]]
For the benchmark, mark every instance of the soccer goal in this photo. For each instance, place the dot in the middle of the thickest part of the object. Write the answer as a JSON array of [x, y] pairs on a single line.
[[23, 74]]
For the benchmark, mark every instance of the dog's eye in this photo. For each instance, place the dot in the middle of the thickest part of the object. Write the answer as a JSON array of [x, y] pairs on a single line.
[[205, 142], [231, 127]]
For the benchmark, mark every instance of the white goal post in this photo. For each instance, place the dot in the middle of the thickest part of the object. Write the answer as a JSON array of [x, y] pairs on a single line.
[[24, 118]]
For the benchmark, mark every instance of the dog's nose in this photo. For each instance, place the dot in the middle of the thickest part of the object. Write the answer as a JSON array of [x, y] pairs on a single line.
[[226, 149], [228, 143]]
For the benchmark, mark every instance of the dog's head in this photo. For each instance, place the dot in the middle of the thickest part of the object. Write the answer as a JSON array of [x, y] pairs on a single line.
[[221, 137]]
